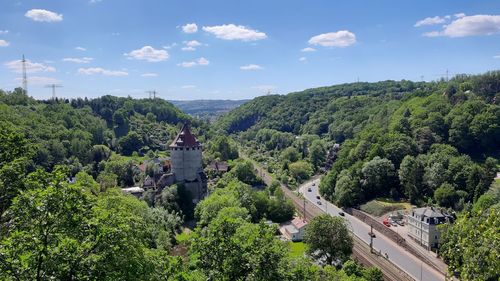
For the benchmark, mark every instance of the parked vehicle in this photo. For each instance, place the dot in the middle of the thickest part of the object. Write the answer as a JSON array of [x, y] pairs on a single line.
[[318, 197], [319, 202], [341, 214], [309, 189]]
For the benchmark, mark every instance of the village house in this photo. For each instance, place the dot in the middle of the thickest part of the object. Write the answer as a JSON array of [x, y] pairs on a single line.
[[422, 226], [294, 230]]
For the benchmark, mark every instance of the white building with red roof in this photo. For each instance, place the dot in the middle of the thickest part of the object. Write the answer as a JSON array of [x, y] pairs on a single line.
[[294, 230]]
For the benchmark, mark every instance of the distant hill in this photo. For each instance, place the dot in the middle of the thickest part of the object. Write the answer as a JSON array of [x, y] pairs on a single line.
[[207, 108]]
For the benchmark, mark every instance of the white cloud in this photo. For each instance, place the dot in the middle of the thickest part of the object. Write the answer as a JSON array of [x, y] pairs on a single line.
[[188, 87], [4, 43], [94, 1], [78, 60], [469, 26], [43, 15], [251, 67], [148, 53], [192, 43], [80, 49], [203, 61], [190, 28], [430, 21], [4, 31], [496, 57], [303, 59], [308, 49], [342, 38], [167, 47], [459, 15], [149, 75], [235, 32], [200, 61], [41, 80], [31, 67], [98, 70]]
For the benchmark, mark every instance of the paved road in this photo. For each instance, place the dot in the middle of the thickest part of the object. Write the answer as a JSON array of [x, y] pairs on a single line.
[[403, 259]]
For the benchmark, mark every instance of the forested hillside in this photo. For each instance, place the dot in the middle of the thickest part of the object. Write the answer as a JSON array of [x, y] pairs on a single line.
[[421, 141], [207, 109]]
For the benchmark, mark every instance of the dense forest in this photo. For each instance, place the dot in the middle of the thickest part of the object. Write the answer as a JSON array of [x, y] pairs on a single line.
[[63, 216], [426, 143]]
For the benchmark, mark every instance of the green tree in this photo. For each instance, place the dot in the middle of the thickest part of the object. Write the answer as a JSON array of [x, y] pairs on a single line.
[[446, 195], [411, 173], [317, 154], [130, 143], [470, 246], [249, 251], [300, 170], [379, 177], [328, 238]]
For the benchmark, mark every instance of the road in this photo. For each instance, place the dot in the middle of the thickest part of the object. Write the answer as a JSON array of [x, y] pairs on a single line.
[[399, 256]]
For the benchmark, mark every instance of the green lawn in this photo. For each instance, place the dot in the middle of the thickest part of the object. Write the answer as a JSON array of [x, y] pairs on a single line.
[[381, 206], [297, 249]]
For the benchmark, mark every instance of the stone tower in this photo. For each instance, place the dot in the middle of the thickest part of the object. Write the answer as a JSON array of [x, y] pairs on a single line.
[[186, 159]]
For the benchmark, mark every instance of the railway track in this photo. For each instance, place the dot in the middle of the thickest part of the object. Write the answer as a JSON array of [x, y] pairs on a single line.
[[361, 251]]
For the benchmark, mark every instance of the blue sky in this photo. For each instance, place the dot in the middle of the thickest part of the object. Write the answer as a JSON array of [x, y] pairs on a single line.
[[239, 49]]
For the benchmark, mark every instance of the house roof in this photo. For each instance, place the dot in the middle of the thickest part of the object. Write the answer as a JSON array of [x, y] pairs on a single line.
[[299, 222], [185, 138], [429, 212]]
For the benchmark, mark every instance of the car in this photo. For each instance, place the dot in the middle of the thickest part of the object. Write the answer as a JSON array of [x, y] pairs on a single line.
[[319, 202], [371, 234], [317, 197], [341, 214], [314, 184], [309, 189]]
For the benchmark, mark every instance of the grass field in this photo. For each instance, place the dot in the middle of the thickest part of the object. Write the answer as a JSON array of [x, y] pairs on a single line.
[[297, 249], [381, 206]]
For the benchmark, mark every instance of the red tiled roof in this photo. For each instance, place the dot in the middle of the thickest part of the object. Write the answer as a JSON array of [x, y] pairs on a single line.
[[185, 138], [299, 222]]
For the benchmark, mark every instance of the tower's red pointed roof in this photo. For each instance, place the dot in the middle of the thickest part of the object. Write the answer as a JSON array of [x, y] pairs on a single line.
[[185, 138]]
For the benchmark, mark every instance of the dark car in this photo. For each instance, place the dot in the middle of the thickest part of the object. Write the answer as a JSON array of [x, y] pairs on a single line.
[[309, 189], [319, 202], [317, 197], [341, 214]]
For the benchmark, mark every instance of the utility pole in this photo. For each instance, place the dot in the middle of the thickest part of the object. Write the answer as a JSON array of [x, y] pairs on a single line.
[[25, 79], [304, 208], [447, 75], [53, 86], [371, 238]]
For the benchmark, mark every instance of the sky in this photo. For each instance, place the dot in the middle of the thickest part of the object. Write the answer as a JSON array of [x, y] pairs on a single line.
[[213, 49]]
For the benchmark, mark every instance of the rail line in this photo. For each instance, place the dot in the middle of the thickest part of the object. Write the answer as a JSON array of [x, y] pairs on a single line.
[[361, 251]]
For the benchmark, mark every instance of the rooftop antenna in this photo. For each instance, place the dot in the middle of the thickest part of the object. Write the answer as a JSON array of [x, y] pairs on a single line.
[[53, 86], [25, 79], [152, 94]]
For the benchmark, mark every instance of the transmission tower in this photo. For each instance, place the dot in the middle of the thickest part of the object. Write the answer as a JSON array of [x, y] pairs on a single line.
[[25, 79], [53, 86], [152, 94]]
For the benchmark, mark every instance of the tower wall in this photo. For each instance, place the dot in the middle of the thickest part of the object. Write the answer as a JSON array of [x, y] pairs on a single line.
[[186, 162]]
